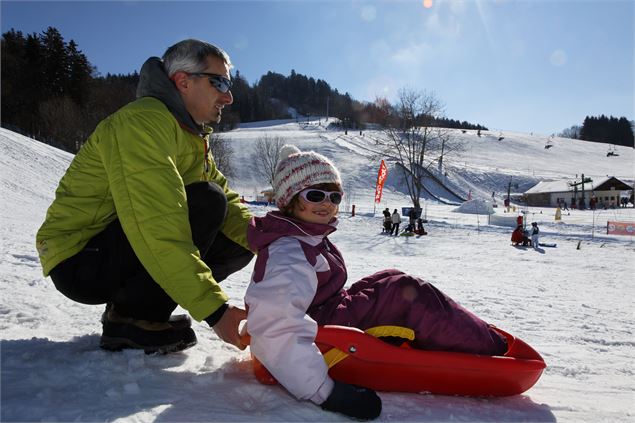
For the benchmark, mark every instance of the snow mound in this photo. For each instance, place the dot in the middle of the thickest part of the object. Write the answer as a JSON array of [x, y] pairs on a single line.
[[475, 207]]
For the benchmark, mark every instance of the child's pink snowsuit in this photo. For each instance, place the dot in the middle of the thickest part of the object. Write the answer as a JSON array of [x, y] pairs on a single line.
[[299, 272]]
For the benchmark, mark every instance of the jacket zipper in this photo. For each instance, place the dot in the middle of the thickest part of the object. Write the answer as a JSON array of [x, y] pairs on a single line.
[[326, 245], [205, 161]]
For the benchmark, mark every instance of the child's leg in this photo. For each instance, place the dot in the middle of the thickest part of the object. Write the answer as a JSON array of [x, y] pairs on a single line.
[[391, 297]]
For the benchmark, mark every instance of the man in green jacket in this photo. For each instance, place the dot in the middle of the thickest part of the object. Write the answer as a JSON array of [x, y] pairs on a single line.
[[143, 220]]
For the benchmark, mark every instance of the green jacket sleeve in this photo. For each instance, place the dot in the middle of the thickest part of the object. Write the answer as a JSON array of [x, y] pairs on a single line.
[[139, 153]]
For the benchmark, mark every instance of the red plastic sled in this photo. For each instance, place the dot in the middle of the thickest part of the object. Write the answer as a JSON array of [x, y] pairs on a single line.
[[358, 358]]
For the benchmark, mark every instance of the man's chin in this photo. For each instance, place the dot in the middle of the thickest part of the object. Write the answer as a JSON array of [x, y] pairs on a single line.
[[214, 120]]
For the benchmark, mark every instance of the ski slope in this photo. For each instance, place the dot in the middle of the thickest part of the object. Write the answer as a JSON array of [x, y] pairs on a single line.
[[484, 167], [572, 303]]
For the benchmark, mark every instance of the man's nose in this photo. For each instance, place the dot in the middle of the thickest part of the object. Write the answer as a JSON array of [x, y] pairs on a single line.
[[228, 98]]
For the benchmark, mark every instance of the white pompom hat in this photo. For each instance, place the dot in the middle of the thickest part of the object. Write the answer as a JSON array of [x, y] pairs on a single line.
[[298, 170]]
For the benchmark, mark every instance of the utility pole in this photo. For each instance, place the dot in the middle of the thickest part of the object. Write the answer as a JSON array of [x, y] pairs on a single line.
[[509, 189], [575, 184], [507, 202], [583, 203]]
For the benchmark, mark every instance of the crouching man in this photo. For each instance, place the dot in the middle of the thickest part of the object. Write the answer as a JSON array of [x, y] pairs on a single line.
[[143, 220]]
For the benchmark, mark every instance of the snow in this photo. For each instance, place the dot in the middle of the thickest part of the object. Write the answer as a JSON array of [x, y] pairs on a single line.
[[475, 207], [572, 303]]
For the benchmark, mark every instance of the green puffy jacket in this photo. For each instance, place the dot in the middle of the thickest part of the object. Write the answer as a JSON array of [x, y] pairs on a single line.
[[135, 167]]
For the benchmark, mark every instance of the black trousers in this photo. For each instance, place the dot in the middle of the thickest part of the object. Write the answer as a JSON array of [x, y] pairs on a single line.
[[108, 271]]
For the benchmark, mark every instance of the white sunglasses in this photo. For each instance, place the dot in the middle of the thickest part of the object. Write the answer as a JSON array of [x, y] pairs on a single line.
[[313, 195]]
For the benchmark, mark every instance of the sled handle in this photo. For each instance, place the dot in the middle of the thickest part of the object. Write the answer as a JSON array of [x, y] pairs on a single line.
[[335, 355]]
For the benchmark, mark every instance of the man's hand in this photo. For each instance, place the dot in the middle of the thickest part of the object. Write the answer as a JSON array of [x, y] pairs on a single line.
[[227, 326]]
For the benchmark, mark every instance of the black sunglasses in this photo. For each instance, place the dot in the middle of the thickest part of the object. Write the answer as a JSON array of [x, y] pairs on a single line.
[[313, 195], [219, 82]]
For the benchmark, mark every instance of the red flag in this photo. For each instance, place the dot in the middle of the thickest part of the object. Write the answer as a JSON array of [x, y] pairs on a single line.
[[381, 178]]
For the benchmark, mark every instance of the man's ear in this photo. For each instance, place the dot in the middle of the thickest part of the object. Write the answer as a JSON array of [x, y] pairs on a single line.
[[181, 81]]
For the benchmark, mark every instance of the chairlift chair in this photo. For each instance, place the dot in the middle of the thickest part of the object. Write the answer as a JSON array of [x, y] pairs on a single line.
[[549, 143]]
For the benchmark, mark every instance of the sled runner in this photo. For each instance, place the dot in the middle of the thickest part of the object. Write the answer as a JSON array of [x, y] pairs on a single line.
[[360, 358], [547, 244]]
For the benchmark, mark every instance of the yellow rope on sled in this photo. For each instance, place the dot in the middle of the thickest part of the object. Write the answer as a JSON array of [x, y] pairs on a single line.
[[398, 331], [334, 355]]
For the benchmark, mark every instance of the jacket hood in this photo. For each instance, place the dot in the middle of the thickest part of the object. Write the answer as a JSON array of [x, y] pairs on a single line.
[[154, 82], [262, 231]]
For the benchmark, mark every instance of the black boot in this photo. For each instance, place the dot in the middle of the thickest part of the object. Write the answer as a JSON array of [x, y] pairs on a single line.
[[178, 321], [121, 332]]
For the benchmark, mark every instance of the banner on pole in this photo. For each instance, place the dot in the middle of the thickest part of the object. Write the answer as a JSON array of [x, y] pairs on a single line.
[[381, 178]]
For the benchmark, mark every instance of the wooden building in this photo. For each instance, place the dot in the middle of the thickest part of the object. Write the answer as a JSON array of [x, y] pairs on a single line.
[[606, 192]]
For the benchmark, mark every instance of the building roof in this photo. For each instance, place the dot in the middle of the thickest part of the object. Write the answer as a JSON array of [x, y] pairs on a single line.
[[550, 186], [562, 185]]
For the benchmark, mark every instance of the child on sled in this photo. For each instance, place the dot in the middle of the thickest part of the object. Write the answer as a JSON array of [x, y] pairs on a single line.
[[298, 284]]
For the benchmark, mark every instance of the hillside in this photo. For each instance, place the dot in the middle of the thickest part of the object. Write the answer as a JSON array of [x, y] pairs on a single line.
[[484, 167], [572, 303]]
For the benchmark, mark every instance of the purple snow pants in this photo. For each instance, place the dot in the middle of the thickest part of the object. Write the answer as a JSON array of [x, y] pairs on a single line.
[[391, 297]]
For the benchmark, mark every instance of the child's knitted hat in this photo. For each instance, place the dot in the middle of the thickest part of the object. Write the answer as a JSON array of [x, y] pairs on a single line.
[[298, 170]]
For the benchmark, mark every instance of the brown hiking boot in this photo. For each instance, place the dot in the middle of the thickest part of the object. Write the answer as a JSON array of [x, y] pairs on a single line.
[[121, 332], [178, 321]]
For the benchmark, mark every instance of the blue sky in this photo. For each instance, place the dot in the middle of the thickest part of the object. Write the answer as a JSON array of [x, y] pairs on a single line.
[[530, 66]]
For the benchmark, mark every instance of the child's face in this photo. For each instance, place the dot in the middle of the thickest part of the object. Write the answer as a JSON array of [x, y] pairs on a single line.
[[311, 212]]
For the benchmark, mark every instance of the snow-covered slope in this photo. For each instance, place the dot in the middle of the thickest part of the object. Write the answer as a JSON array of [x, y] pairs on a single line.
[[485, 166], [572, 303]]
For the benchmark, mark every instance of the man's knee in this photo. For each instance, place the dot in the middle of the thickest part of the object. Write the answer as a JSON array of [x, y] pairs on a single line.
[[206, 200], [226, 257]]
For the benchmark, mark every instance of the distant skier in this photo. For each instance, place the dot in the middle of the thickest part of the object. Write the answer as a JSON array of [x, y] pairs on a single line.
[[387, 221], [534, 234], [396, 220], [412, 219], [420, 229]]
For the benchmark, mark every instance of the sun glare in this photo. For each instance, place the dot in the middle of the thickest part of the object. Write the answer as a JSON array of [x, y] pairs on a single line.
[[427, 4]]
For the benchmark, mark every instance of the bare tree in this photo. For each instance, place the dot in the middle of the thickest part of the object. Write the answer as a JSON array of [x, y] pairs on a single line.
[[413, 142], [266, 155], [572, 132], [223, 154]]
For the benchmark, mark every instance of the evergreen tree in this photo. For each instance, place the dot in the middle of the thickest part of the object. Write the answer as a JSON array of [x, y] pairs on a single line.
[[13, 51], [56, 64], [242, 105], [607, 130], [51, 91], [78, 74]]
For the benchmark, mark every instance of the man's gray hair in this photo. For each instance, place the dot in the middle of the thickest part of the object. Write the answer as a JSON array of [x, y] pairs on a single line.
[[191, 56]]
